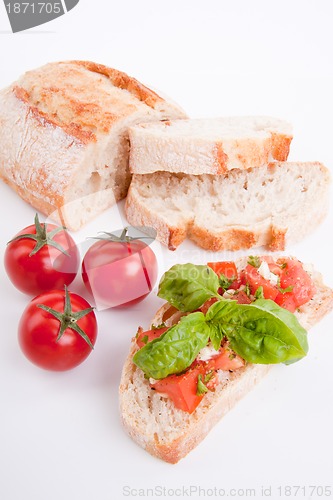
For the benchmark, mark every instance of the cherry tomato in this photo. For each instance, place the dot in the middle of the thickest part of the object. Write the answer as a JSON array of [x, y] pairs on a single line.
[[119, 271], [57, 330], [41, 257]]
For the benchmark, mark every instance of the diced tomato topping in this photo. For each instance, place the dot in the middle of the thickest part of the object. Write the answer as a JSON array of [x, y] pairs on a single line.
[[227, 268], [241, 297], [182, 389], [293, 275], [206, 305], [226, 359], [272, 264], [144, 337], [287, 301], [251, 276], [235, 284], [171, 310]]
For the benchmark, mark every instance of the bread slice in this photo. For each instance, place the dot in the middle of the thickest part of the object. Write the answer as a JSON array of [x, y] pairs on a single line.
[[273, 205], [64, 143], [208, 146], [169, 433]]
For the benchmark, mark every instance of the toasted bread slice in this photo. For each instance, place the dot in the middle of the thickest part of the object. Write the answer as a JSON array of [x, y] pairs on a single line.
[[274, 206], [169, 433], [209, 145]]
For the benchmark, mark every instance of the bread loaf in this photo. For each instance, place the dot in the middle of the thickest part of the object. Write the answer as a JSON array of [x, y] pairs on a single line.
[[64, 136], [273, 205], [209, 145]]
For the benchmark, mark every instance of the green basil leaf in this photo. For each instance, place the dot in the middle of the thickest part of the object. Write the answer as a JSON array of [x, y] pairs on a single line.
[[261, 332], [201, 388], [289, 319], [254, 261], [216, 335], [176, 349], [286, 290], [225, 282], [187, 286], [259, 293]]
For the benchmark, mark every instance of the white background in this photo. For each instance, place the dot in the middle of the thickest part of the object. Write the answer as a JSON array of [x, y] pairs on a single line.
[[60, 433]]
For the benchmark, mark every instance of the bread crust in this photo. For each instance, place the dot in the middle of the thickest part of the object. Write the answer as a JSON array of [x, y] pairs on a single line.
[[125, 82], [139, 215], [233, 239], [271, 230], [193, 429]]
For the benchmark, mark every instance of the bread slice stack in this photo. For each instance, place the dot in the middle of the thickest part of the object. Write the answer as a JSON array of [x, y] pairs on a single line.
[[225, 183], [64, 143]]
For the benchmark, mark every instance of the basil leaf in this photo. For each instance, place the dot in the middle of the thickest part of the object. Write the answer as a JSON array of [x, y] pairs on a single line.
[[216, 335], [201, 388], [187, 286], [261, 332], [176, 349], [225, 282], [289, 319], [259, 293], [285, 290], [254, 261]]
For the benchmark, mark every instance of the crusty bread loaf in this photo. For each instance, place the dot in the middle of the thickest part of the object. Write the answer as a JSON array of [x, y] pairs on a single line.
[[208, 146], [272, 205], [169, 433], [64, 136]]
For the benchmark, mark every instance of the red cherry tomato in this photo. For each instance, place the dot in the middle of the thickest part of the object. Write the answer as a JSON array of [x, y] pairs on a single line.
[[119, 271], [41, 257], [57, 330]]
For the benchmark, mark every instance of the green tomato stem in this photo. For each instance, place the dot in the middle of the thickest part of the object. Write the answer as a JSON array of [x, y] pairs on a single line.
[[69, 319], [42, 237]]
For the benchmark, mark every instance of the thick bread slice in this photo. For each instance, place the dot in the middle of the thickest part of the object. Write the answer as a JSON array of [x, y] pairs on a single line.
[[273, 205], [208, 146], [64, 136], [170, 434]]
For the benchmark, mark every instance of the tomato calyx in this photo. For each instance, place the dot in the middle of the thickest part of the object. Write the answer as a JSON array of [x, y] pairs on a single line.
[[68, 318], [123, 238], [42, 237]]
